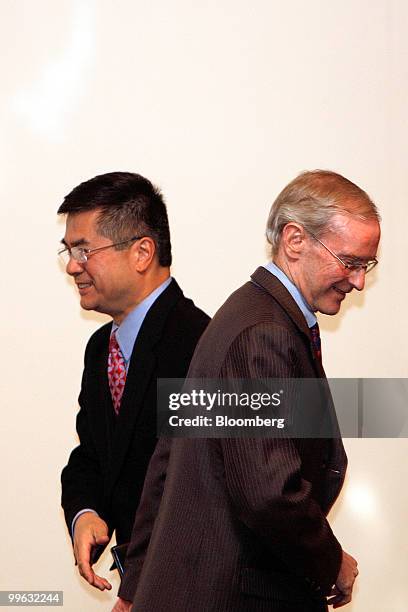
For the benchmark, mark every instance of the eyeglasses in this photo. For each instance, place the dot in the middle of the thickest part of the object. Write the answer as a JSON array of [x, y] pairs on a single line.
[[350, 265], [81, 255]]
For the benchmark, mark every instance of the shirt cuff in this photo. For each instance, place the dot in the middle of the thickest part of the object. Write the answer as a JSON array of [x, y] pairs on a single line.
[[76, 517]]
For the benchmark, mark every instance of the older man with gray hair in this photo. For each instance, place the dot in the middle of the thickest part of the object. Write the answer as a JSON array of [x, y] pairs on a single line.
[[240, 523]]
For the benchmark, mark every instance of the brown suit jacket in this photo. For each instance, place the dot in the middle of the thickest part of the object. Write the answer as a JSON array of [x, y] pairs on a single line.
[[241, 523]]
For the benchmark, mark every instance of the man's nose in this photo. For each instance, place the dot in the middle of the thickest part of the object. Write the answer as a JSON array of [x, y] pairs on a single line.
[[357, 279], [73, 266]]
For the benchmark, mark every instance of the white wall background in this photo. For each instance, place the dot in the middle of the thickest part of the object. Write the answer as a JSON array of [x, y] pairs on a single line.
[[221, 103]]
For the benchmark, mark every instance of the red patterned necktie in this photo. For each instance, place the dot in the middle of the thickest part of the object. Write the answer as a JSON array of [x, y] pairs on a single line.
[[116, 372], [316, 342]]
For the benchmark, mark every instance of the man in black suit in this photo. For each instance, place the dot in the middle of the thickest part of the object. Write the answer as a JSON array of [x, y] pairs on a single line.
[[118, 251], [239, 524]]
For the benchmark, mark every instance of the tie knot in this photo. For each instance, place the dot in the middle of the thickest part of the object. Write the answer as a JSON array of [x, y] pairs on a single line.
[[316, 342], [315, 330], [113, 343]]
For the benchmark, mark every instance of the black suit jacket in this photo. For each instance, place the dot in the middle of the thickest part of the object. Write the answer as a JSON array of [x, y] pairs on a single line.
[[241, 523], [107, 470]]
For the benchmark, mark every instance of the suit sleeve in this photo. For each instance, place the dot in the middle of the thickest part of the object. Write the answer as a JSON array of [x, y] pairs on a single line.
[[264, 476], [81, 478], [145, 518]]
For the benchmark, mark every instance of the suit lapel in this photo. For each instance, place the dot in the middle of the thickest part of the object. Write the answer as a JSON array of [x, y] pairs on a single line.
[[100, 404], [142, 367], [280, 294], [336, 460]]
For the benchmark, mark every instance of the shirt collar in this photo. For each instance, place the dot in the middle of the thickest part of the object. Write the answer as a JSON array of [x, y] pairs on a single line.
[[128, 330], [294, 292]]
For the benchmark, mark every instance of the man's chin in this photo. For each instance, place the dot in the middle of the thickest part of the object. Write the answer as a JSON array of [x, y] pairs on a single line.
[[87, 304], [329, 307], [330, 311], [331, 302]]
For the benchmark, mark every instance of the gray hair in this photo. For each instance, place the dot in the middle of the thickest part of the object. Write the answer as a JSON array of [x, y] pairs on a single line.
[[312, 199]]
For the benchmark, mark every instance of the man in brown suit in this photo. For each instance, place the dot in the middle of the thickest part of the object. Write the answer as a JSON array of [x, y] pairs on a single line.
[[239, 525]]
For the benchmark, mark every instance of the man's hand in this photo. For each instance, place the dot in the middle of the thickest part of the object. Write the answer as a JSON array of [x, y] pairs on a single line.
[[122, 605], [90, 530], [341, 592]]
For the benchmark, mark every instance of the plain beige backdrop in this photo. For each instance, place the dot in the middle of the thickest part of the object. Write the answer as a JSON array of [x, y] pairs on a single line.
[[221, 103]]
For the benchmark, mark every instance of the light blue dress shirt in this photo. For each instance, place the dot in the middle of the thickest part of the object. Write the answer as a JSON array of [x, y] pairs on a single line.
[[126, 334], [128, 330], [294, 292]]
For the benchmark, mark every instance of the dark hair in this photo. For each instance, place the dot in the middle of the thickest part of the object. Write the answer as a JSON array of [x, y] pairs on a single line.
[[130, 205]]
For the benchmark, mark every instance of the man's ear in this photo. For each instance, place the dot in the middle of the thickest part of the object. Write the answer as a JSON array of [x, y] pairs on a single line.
[[293, 239], [142, 253]]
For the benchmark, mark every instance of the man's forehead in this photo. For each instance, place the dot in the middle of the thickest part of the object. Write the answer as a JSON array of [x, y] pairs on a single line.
[[345, 221], [81, 227], [354, 236]]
